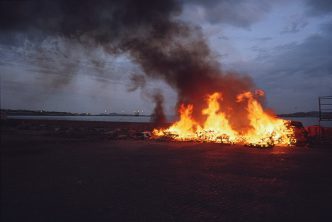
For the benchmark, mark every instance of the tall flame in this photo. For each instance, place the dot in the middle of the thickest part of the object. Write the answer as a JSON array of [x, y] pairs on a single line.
[[216, 126], [264, 130], [185, 128]]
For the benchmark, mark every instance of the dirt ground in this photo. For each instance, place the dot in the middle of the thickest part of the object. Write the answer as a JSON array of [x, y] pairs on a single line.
[[51, 176]]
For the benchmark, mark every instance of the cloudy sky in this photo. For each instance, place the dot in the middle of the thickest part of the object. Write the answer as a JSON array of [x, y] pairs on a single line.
[[285, 46]]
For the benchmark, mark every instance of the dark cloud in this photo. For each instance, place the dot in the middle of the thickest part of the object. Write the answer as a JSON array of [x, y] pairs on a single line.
[[327, 28], [310, 58], [244, 13], [241, 13], [319, 7], [296, 73], [101, 19]]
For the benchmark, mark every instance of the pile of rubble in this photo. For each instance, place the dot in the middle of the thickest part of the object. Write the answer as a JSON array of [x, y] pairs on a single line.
[[105, 133], [72, 131]]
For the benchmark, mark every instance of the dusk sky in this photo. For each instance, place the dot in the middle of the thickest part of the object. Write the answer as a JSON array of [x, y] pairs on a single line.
[[285, 46]]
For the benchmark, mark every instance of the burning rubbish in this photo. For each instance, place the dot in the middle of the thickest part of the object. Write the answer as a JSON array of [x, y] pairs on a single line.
[[264, 129], [282, 133], [169, 49], [215, 105]]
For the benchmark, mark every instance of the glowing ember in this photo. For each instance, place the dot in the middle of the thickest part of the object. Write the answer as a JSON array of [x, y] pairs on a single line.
[[264, 130]]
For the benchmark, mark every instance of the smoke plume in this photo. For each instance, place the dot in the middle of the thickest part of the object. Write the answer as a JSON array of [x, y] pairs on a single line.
[[148, 30], [159, 115]]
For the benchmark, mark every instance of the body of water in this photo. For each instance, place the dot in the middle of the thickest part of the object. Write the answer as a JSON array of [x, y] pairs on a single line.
[[306, 121], [309, 121], [139, 119]]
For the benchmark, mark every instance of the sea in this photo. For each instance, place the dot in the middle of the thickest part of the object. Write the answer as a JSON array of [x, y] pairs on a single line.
[[306, 121], [310, 121]]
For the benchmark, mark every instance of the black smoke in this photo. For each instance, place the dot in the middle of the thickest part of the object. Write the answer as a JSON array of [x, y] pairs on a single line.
[[148, 30]]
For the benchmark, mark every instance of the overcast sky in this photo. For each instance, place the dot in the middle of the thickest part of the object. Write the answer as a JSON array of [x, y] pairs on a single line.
[[285, 46]]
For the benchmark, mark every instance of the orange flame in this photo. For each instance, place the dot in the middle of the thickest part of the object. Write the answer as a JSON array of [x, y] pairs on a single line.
[[184, 129], [264, 130]]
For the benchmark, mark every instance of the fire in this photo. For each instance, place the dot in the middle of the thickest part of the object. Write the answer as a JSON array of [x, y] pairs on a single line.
[[184, 129], [265, 129], [216, 126]]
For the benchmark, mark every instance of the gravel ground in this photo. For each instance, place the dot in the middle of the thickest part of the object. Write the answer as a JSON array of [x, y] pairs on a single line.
[[46, 177]]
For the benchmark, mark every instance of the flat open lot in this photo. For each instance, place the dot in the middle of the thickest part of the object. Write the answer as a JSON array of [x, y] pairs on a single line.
[[49, 178]]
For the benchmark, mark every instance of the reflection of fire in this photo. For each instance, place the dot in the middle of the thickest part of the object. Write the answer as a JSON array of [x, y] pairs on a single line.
[[265, 130]]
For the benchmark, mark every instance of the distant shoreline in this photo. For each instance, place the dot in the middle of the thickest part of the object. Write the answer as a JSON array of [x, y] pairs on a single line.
[[10, 112], [300, 114]]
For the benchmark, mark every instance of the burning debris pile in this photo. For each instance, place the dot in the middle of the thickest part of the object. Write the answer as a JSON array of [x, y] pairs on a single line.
[[265, 130], [166, 48]]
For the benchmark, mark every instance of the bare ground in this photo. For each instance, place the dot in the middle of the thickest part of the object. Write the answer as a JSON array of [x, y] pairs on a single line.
[[58, 177]]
